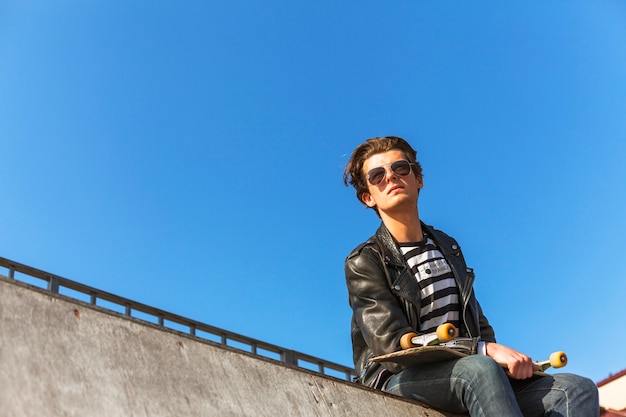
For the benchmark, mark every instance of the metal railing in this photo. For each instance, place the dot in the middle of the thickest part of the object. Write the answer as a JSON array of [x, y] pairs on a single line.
[[102, 299]]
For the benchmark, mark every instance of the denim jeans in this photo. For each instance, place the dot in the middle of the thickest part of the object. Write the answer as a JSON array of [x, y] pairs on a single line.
[[478, 385]]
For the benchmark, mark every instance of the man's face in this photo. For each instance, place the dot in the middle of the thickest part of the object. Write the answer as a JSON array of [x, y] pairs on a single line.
[[395, 191]]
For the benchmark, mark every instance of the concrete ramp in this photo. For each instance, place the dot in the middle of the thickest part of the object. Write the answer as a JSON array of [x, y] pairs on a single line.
[[62, 357]]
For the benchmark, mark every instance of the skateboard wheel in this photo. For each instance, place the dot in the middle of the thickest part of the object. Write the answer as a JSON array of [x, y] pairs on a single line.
[[558, 359], [446, 332], [406, 342]]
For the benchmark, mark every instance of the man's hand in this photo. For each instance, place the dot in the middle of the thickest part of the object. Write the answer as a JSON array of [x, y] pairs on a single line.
[[519, 366]]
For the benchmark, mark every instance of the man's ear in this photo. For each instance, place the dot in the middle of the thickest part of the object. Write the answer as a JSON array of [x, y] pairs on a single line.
[[367, 199]]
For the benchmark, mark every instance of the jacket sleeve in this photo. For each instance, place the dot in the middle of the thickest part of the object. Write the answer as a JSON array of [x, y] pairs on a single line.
[[376, 310]]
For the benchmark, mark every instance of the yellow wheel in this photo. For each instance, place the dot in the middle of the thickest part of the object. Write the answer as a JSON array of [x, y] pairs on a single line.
[[446, 332], [405, 341], [558, 359]]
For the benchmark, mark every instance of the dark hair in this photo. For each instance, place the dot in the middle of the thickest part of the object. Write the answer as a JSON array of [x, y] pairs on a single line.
[[353, 173]]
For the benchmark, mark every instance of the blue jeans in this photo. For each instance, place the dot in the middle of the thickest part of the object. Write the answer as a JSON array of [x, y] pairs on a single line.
[[478, 385]]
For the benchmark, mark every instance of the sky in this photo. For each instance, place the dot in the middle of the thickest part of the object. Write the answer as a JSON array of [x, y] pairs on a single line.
[[190, 156]]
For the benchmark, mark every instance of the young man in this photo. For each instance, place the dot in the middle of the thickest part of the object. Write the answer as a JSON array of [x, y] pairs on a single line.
[[409, 277]]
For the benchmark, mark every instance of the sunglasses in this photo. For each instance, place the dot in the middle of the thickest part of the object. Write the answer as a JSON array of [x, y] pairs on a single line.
[[401, 168]]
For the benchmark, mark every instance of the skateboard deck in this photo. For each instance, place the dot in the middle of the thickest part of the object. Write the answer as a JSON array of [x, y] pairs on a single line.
[[431, 354], [444, 345], [419, 355]]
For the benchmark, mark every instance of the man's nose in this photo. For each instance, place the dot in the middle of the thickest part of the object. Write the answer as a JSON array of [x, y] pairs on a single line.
[[389, 173]]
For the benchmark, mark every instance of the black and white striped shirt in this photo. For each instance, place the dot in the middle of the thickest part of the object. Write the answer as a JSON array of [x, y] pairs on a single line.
[[438, 290]]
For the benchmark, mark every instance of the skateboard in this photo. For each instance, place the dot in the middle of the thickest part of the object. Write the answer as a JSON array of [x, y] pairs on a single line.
[[444, 345]]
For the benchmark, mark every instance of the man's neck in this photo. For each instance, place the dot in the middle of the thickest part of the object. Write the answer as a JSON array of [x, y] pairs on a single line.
[[404, 227]]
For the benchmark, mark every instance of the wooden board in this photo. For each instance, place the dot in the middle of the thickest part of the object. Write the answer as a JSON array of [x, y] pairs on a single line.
[[426, 354], [418, 355]]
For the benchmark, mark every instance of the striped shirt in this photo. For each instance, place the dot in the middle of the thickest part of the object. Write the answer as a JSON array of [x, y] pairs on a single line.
[[438, 290]]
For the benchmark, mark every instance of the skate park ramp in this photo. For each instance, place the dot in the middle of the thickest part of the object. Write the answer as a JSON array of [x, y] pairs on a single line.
[[64, 357]]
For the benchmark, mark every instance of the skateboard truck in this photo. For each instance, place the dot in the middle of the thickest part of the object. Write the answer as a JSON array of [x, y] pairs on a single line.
[[466, 345], [445, 333], [557, 360]]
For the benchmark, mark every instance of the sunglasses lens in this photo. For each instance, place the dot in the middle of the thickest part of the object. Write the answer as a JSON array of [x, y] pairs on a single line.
[[402, 168], [376, 175]]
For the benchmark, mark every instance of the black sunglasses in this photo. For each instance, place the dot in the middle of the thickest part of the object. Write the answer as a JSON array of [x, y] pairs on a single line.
[[376, 175]]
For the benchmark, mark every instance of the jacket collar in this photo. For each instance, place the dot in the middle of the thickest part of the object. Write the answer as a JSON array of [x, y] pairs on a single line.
[[391, 250], [389, 247]]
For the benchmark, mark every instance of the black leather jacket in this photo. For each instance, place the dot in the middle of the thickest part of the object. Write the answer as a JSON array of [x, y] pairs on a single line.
[[384, 297]]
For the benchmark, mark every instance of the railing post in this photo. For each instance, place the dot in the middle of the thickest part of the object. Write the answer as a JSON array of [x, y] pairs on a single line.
[[53, 284], [289, 357]]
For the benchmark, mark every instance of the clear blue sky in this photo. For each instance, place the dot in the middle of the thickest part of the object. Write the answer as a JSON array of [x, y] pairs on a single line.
[[189, 156]]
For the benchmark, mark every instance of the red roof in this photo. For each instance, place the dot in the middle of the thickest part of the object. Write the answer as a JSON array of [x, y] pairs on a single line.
[[612, 413], [612, 378]]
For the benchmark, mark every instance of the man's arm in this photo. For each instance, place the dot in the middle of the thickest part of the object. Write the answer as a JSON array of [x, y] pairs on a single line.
[[376, 309], [519, 365]]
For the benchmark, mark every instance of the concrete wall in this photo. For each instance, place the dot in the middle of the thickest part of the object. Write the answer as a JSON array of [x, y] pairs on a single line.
[[60, 357]]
